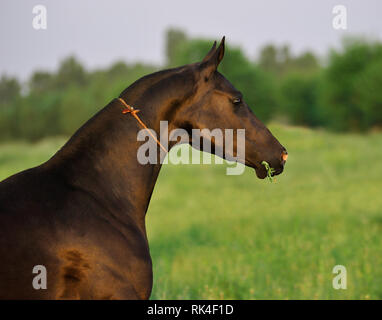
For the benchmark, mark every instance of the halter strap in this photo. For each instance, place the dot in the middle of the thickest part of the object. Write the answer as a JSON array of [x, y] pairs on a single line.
[[133, 112]]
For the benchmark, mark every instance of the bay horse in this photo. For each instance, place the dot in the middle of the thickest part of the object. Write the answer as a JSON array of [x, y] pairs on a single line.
[[81, 214]]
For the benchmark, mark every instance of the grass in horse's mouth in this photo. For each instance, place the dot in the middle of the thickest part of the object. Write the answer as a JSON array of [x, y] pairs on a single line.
[[269, 170]]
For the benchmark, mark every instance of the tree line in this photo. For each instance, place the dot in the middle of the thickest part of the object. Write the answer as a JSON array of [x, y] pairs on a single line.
[[342, 91]]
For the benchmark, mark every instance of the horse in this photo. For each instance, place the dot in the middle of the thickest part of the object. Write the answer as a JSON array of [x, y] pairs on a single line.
[[81, 214]]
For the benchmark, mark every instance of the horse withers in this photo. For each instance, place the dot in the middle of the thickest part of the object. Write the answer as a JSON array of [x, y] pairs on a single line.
[[81, 214]]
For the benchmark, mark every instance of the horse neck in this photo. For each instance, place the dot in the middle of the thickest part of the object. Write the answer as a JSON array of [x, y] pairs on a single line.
[[101, 158]]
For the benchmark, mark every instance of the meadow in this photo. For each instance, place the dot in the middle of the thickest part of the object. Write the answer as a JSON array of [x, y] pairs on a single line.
[[214, 236]]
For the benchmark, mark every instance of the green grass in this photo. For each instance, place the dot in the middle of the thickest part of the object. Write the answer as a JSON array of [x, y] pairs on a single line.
[[215, 236]]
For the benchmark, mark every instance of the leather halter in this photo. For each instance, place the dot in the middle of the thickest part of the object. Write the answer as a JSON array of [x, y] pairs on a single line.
[[133, 112]]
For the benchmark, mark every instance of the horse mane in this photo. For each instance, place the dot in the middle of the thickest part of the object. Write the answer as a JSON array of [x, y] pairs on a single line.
[[159, 85]]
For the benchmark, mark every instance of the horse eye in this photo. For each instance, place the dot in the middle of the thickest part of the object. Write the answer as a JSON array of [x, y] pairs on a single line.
[[236, 101]]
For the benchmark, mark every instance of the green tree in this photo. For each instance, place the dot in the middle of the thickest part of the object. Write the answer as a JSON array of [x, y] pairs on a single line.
[[41, 82], [118, 69], [307, 62], [174, 38], [298, 99], [70, 72], [268, 60], [10, 90], [368, 94], [344, 105], [279, 61]]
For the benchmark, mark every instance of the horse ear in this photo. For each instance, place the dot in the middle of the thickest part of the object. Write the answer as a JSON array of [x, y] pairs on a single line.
[[209, 54], [220, 52], [213, 58]]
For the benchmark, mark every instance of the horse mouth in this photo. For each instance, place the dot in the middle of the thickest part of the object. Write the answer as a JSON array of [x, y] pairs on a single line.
[[261, 174], [260, 170]]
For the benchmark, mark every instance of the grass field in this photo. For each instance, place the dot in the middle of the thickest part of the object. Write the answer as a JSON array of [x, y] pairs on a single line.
[[214, 236]]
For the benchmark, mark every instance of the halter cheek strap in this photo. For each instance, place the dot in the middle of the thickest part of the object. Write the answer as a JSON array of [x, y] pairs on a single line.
[[133, 112]]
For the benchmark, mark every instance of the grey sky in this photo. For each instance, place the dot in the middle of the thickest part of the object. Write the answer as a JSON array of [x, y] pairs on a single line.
[[99, 32]]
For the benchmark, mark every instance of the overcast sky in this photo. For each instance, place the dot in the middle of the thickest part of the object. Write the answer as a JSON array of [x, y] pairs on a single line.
[[100, 31]]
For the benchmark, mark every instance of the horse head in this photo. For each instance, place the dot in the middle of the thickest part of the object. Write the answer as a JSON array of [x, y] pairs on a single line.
[[217, 104]]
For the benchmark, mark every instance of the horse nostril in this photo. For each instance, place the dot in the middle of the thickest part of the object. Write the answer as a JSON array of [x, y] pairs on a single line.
[[284, 156]]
